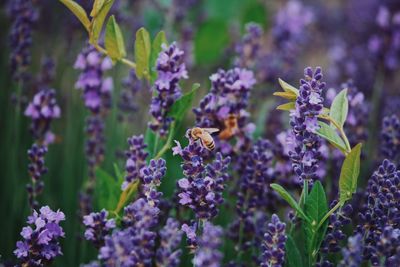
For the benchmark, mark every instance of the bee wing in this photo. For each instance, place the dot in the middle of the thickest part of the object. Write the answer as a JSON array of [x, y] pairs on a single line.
[[211, 130]]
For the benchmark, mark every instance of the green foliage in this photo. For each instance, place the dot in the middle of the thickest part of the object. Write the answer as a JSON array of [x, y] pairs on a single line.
[[339, 108], [142, 53], [97, 5], [156, 48], [107, 190], [206, 50], [287, 106], [289, 199], [293, 256], [114, 41], [254, 12], [183, 104], [288, 88], [78, 11], [315, 207], [328, 133], [97, 22], [349, 174]]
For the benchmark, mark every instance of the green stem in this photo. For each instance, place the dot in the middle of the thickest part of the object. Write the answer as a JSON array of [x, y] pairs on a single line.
[[338, 205], [125, 61], [168, 143]]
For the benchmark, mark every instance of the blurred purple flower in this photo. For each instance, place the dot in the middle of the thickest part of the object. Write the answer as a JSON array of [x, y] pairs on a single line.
[[36, 170], [136, 160], [207, 253], [168, 254]]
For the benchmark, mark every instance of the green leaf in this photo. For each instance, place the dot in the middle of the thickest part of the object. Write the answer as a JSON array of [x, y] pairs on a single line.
[[78, 11], [210, 41], [315, 207], [107, 190], [286, 95], [183, 104], [142, 53], [287, 106], [288, 88], [114, 41], [118, 173], [339, 108], [289, 199], [97, 5], [156, 48], [150, 141], [98, 20], [254, 12], [293, 256], [349, 174], [328, 133]]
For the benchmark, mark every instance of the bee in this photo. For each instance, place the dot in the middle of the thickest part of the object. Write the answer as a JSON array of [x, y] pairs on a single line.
[[231, 127], [204, 135]]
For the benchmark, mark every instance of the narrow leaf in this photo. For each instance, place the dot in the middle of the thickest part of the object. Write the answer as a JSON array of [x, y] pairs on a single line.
[[98, 20], [114, 41], [183, 104], [315, 207], [339, 108], [287, 106], [288, 88], [142, 53], [97, 5], [156, 48], [78, 11], [328, 133], [286, 95], [107, 190], [289, 199], [118, 173], [293, 256], [349, 174]]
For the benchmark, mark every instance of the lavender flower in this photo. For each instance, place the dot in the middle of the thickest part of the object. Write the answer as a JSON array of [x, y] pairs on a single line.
[[390, 134], [168, 254], [166, 89], [334, 235], [136, 160], [229, 96], [304, 122], [274, 243], [380, 220], [201, 189], [133, 246], [40, 240], [127, 102], [207, 253], [254, 197], [248, 49], [36, 170], [97, 227], [24, 15], [384, 44], [151, 179], [352, 255], [97, 98], [42, 110]]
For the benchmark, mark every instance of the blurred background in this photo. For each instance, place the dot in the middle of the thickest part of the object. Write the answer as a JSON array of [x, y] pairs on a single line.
[[350, 39]]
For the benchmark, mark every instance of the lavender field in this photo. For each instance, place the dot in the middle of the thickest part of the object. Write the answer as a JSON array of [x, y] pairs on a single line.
[[204, 133]]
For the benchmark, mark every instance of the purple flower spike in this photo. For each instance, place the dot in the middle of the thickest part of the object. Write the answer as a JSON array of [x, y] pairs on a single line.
[[273, 247], [304, 122], [97, 227], [380, 220], [352, 255], [24, 16], [207, 253], [36, 170], [171, 70], [168, 254], [42, 110], [136, 160], [390, 134], [40, 243], [151, 179], [248, 49], [201, 188]]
